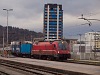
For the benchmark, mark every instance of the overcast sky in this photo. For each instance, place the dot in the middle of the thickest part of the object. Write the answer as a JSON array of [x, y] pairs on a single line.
[[28, 14]]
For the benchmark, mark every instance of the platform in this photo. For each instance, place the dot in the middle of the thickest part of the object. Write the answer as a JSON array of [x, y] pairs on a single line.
[[87, 69]]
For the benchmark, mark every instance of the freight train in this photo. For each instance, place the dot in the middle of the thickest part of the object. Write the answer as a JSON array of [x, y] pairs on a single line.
[[56, 50]]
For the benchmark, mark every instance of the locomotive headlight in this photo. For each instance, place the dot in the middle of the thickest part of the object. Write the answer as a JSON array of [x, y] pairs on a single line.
[[58, 51]]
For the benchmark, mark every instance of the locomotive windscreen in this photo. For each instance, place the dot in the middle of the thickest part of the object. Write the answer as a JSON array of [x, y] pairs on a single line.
[[62, 45]]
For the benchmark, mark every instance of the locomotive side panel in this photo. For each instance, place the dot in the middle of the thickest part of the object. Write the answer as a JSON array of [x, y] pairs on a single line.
[[44, 49]]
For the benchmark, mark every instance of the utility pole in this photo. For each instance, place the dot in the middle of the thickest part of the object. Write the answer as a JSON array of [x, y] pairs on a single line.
[[3, 41], [80, 46], [96, 41], [90, 45], [7, 10], [94, 44]]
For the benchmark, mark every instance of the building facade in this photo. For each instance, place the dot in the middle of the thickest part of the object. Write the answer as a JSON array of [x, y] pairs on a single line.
[[93, 39], [53, 22], [88, 50]]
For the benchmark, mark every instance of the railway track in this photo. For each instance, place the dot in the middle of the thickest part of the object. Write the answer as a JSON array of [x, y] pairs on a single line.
[[3, 73], [32, 70]]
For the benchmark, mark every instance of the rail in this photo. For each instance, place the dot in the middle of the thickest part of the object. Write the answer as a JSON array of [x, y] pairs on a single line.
[[37, 69], [3, 73], [29, 68]]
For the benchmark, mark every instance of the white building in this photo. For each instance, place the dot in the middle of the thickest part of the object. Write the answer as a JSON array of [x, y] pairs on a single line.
[[93, 39], [90, 49]]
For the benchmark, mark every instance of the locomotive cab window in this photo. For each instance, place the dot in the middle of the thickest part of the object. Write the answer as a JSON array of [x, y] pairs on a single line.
[[62, 45]]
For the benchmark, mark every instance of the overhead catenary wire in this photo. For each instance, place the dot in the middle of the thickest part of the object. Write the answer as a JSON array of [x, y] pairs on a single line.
[[88, 19]]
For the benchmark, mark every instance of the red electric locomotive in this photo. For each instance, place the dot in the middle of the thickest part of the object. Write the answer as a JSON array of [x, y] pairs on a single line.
[[57, 50]]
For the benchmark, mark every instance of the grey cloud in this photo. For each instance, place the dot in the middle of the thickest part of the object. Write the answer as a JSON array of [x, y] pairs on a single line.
[[28, 10], [80, 29], [76, 7]]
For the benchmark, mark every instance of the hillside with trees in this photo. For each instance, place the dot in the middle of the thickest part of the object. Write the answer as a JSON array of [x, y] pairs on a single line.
[[18, 34]]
